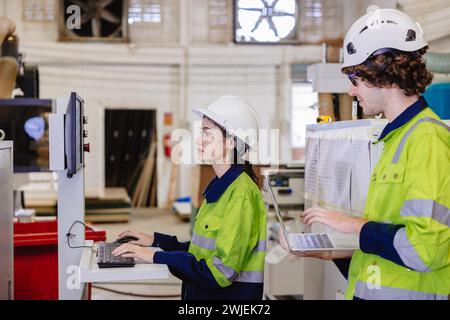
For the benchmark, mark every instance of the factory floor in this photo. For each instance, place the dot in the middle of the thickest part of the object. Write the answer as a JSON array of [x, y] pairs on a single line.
[[148, 221]]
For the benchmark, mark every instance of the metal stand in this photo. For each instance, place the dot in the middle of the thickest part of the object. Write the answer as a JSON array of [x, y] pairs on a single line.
[[6, 222], [76, 260], [70, 209]]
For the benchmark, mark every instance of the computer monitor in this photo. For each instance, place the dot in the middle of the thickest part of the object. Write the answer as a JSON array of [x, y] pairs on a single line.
[[74, 134], [25, 122]]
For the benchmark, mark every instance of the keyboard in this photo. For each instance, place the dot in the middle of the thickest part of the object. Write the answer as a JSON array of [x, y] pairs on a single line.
[[105, 258], [311, 241]]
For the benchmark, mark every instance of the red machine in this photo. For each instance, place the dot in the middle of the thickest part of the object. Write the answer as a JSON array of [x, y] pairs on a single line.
[[36, 259]]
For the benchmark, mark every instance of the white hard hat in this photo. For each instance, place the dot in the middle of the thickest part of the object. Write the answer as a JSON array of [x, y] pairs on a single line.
[[381, 29], [234, 115]]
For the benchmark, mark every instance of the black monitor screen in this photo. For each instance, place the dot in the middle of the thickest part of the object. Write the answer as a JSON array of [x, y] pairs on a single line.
[[74, 134], [25, 122]]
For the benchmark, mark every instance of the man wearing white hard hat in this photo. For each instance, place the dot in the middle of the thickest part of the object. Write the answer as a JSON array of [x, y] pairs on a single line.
[[225, 258], [405, 230]]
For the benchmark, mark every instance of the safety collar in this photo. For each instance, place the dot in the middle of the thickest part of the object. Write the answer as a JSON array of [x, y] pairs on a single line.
[[217, 186], [404, 117]]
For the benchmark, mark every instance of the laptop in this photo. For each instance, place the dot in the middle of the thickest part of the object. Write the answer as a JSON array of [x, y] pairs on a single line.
[[313, 241]]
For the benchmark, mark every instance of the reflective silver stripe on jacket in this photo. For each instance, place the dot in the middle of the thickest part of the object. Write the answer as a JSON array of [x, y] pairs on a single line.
[[400, 147], [250, 276], [203, 242], [228, 272], [426, 208], [407, 252], [210, 244], [244, 276], [388, 293], [260, 246]]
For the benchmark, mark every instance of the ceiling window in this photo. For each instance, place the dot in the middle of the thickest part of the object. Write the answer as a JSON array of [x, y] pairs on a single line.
[[147, 11], [265, 21], [39, 10]]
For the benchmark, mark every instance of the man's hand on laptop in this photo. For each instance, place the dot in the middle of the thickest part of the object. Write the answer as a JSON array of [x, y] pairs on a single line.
[[324, 255], [336, 220]]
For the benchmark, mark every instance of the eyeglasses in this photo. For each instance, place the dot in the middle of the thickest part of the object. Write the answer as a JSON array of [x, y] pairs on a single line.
[[352, 77]]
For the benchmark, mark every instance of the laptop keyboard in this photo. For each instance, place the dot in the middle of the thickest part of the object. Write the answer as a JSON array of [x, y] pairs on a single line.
[[311, 241]]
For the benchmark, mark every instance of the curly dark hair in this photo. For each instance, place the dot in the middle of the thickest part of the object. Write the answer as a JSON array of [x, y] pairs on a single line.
[[407, 70]]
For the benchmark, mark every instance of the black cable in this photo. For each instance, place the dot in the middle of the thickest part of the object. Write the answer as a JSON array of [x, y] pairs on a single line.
[[138, 294], [70, 235]]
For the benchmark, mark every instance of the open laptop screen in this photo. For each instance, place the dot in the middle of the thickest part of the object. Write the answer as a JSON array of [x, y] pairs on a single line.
[[277, 209]]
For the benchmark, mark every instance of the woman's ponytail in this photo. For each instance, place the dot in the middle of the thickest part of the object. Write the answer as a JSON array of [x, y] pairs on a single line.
[[246, 166]]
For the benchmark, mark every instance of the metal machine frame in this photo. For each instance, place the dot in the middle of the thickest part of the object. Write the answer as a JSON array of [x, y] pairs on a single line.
[[6, 222], [77, 261]]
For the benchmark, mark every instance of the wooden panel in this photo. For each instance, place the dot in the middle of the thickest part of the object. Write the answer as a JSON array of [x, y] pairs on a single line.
[[326, 107], [345, 107]]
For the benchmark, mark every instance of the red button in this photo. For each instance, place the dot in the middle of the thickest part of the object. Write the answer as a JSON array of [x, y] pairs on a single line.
[[87, 147]]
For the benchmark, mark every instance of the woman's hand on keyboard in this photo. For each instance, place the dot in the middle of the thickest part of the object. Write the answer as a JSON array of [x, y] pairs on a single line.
[[145, 240], [128, 250]]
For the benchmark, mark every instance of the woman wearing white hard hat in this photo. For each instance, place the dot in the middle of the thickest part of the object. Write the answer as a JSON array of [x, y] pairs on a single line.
[[225, 258], [404, 234]]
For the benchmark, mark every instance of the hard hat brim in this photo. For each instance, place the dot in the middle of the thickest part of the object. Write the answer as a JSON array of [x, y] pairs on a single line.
[[201, 112]]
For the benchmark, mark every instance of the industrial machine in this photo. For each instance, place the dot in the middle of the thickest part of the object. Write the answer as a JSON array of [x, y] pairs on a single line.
[[27, 77], [66, 141], [288, 186], [77, 260]]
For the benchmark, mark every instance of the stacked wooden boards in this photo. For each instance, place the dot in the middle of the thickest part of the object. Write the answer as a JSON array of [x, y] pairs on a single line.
[[131, 153], [143, 182], [43, 205], [114, 206]]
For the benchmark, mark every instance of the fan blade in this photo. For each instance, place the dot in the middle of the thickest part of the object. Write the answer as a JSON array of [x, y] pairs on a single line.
[[260, 19], [282, 14], [83, 6], [108, 16], [96, 27], [85, 17], [105, 3], [272, 26], [265, 3], [251, 9]]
